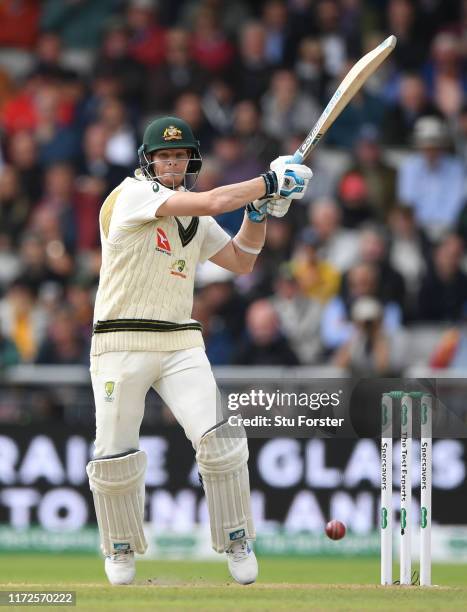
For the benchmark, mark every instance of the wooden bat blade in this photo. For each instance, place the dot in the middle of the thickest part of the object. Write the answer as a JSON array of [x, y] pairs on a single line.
[[352, 82]]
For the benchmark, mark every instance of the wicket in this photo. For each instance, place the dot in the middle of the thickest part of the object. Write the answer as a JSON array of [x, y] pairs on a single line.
[[406, 413]]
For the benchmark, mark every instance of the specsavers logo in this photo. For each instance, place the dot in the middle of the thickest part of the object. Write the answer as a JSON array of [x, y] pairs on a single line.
[[162, 242], [178, 267]]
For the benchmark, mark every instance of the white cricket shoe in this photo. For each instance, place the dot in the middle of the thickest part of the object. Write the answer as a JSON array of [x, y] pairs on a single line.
[[120, 567], [242, 562]]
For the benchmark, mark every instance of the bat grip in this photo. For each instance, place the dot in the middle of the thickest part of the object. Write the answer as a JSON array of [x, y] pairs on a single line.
[[297, 158]]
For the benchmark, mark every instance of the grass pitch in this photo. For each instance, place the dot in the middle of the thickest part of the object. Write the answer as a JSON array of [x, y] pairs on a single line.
[[284, 584]]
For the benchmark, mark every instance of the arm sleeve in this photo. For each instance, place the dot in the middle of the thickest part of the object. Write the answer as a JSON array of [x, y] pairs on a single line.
[[405, 180], [215, 239], [138, 203]]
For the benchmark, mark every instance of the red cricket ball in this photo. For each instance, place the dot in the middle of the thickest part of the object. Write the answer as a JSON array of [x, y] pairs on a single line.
[[335, 530]]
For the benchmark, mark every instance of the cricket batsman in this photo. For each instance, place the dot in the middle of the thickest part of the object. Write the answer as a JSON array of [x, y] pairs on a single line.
[[154, 231]]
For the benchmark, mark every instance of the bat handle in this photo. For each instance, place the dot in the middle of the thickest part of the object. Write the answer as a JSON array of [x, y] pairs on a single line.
[[297, 158]]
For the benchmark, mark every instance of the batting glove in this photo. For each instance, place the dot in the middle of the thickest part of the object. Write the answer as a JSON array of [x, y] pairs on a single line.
[[257, 210], [292, 179], [278, 207]]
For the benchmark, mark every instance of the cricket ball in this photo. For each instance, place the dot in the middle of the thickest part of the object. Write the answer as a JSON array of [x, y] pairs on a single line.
[[335, 530]]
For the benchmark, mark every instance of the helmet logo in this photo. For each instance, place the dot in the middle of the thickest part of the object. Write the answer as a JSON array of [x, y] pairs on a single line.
[[172, 133]]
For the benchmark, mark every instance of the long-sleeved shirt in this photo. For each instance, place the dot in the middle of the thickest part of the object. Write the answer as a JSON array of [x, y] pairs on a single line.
[[435, 192]]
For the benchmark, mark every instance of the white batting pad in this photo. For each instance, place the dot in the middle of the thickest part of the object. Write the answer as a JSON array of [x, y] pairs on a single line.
[[117, 485], [222, 462]]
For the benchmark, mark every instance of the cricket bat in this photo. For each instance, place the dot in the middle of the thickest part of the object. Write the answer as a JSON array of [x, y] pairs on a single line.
[[355, 78]]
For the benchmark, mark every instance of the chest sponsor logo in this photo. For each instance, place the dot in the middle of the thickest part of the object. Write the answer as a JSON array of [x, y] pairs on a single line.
[[178, 268], [162, 242]]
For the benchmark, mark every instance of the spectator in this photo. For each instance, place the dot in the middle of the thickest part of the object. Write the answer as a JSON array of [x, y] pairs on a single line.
[[177, 74], [371, 350], [444, 289], [57, 206], [14, 204], [460, 134], [78, 296], [220, 310], [22, 154], [217, 103], [312, 75], [231, 14], [121, 137], [22, 320], [264, 343], [373, 249], [445, 74], [412, 103], [364, 108], [9, 262], [19, 111], [188, 107], [299, 316], [147, 37], [7, 88], [379, 176], [277, 43], [103, 85], [252, 72], [48, 56], [35, 268], [217, 290], [9, 355], [94, 162], [408, 253], [19, 21], [432, 180], [115, 60], [89, 193], [57, 139], [317, 278], [236, 166], [211, 175], [79, 23], [337, 245], [217, 337], [336, 324], [284, 109], [451, 350], [211, 48], [247, 127], [277, 250], [410, 50], [354, 200], [64, 344], [328, 15]]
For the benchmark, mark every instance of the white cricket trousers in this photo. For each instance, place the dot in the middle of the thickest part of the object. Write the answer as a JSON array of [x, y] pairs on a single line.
[[121, 380]]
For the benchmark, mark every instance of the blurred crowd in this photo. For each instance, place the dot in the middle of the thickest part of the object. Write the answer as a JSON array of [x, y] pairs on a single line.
[[378, 245]]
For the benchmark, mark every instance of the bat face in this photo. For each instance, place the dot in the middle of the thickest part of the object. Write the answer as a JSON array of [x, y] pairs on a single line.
[[357, 75]]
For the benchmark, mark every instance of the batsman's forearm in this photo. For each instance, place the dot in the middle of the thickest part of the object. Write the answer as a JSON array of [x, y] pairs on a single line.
[[232, 197], [249, 241]]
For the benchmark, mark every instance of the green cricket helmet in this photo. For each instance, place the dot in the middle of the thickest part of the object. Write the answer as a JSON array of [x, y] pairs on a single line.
[[169, 133]]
